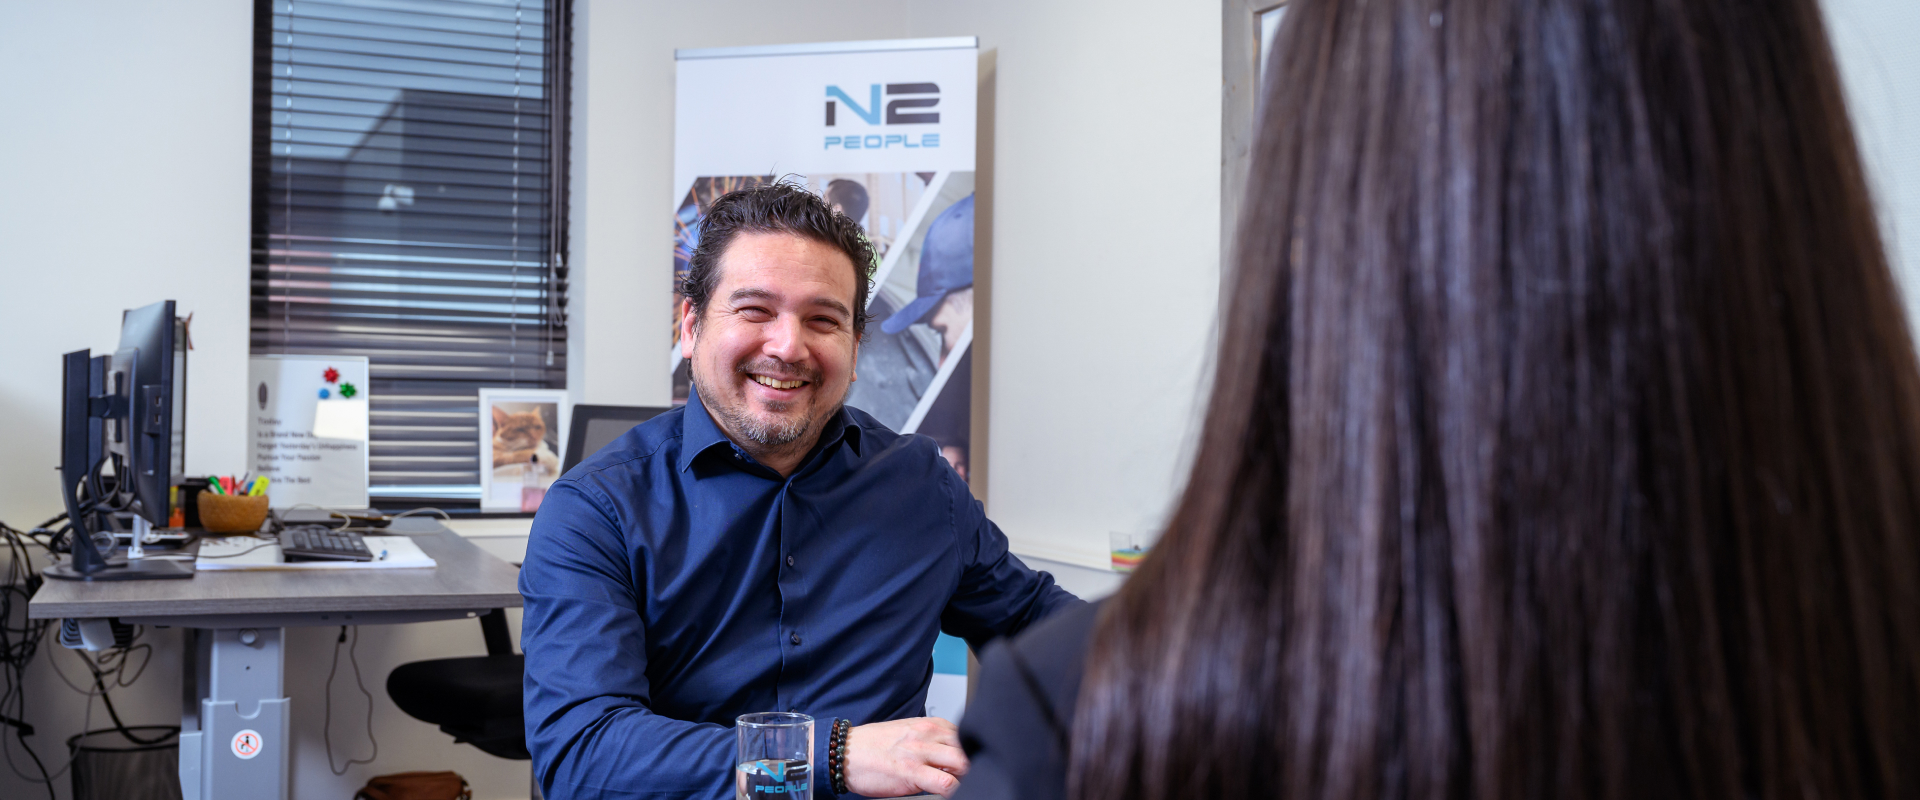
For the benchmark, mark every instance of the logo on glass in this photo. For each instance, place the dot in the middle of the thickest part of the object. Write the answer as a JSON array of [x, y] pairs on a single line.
[[772, 776]]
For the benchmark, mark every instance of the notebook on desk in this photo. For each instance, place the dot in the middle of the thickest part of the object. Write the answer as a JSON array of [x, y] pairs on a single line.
[[248, 553]]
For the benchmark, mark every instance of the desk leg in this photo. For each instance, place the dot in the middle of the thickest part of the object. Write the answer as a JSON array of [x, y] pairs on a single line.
[[234, 729]]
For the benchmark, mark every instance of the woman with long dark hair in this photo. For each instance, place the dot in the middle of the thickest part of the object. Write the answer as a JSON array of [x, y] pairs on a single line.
[[1564, 440]]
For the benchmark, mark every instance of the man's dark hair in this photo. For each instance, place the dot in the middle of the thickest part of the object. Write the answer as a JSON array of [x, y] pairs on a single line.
[[781, 207]]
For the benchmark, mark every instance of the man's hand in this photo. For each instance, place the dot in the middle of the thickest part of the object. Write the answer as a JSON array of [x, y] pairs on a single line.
[[905, 756]]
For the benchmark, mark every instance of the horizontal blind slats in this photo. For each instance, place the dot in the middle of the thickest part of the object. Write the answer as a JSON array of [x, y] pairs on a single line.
[[406, 201], [485, 276], [494, 21], [501, 126], [342, 30], [528, 51], [517, 72], [479, 165], [332, 333], [377, 104], [415, 215], [374, 80]]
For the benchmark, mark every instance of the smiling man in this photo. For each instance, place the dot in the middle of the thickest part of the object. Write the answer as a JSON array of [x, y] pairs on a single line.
[[763, 548]]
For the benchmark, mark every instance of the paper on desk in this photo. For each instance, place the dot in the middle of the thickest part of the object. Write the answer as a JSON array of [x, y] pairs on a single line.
[[232, 553]]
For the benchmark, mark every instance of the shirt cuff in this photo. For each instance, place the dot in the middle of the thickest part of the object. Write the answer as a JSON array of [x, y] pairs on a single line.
[[822, 775]]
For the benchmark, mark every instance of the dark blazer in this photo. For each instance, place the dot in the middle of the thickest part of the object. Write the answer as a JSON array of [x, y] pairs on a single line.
[[1017, 726]]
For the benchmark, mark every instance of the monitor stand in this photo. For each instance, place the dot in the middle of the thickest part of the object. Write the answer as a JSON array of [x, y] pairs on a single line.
[[120, 569], [86, 564]]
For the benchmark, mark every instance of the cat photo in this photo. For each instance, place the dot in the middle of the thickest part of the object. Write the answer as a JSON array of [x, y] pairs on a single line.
[[520, 435], [521, 446]]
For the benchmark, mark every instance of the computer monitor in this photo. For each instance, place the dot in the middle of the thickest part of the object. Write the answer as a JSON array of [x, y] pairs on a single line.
[[146, 359], [119, 414], [595, 427]]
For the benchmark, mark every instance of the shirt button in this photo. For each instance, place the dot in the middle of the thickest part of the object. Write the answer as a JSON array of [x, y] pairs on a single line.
[[795, 638], [789, 561]]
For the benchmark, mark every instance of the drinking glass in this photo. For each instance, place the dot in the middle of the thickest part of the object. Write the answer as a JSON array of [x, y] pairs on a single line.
[[775, 749], [1128, 550]]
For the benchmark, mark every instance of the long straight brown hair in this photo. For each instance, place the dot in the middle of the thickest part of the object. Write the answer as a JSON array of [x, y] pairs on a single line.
[[1565, 439]]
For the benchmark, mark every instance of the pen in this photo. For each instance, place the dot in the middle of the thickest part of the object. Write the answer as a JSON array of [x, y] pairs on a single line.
[[213, 485]]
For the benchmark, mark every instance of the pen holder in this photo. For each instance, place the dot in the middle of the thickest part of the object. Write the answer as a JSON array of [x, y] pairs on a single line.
[[226, 513]]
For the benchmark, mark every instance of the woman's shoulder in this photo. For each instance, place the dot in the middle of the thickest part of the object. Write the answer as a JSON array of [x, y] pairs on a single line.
[[1054, 651], [1018, 725]]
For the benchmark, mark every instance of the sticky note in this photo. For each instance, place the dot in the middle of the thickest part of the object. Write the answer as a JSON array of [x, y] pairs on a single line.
[[340, 419]]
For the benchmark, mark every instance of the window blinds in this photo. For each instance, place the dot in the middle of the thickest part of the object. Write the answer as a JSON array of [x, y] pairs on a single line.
[[409, 206]]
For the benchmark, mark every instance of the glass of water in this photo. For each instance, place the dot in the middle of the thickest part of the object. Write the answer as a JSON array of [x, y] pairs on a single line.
[[775, 749]]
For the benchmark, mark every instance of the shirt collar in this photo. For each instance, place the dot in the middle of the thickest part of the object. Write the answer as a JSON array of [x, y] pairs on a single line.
[[699, 433]]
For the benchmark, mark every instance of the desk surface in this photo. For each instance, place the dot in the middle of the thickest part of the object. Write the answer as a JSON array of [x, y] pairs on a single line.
[[466, 580]]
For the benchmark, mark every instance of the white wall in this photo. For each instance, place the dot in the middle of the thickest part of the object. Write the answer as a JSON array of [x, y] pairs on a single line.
[[1875, 43], [1102, 191], [125, 169]]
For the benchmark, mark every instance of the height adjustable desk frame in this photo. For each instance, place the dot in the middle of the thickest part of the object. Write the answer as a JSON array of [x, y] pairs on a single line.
[[236, 621]]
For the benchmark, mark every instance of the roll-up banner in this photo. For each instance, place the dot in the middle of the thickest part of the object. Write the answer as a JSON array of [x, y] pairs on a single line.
[[885, 132]]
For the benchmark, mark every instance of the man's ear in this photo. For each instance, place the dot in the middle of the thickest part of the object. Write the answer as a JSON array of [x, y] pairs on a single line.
[[689, 317]]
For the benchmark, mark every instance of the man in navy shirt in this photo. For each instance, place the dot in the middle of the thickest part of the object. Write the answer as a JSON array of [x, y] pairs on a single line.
[[763, 548]]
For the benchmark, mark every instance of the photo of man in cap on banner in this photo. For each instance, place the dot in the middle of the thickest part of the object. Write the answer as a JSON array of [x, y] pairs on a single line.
[[925, 303], [944, 302], [945, 286]]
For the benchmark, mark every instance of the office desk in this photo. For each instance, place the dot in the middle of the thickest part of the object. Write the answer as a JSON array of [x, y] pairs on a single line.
[[234, 721]]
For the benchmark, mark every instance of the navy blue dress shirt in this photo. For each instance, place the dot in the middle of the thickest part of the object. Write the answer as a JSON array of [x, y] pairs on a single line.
[[672, 584]]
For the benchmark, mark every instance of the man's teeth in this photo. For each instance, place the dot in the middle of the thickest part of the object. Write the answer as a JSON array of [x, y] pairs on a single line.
[[766, 381]]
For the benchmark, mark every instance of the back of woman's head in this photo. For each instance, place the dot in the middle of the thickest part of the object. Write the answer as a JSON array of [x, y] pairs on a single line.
[[1563, 441]]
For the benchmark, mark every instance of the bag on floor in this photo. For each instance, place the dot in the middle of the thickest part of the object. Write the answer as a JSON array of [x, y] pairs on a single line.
[[416, 786]]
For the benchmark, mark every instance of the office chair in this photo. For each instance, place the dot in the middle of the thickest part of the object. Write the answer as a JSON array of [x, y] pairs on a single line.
[[476, 699]]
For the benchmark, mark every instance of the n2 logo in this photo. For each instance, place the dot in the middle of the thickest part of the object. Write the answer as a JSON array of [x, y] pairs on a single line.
[[896, 110]]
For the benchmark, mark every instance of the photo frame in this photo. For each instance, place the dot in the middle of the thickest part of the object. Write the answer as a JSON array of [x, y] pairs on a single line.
[[522, 434]]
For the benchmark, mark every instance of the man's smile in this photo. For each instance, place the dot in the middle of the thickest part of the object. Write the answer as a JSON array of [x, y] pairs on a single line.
[[776, 383]]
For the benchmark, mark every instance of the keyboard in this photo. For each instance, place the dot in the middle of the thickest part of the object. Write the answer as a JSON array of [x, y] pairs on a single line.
[[315, 543]]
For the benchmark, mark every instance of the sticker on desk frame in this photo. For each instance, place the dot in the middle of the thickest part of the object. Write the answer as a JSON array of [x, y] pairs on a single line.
[[247, 744]]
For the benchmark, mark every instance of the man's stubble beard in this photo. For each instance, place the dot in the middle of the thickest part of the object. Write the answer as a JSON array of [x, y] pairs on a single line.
[[776, 435]]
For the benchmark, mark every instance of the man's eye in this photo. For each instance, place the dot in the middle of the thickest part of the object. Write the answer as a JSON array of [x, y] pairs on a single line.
[[756, 314], [826, 323]]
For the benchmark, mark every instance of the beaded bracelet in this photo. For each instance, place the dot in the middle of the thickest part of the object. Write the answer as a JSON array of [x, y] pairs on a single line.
[[837, 755], [833, 760]]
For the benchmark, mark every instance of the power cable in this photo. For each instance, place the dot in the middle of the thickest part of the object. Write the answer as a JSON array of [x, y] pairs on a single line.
[[326, 727], [18, 644]]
